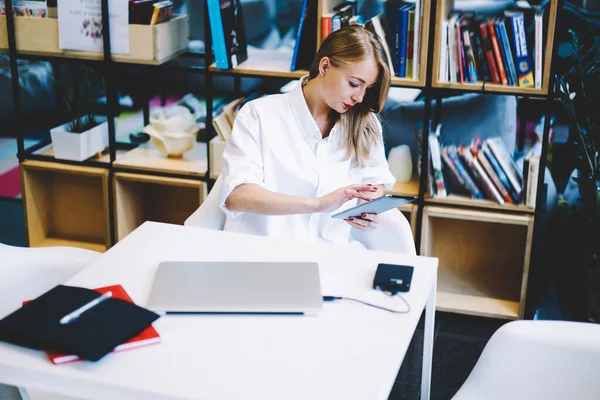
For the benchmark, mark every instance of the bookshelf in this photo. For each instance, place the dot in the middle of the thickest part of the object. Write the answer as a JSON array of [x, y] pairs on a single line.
[[444, 7], [484, 248]]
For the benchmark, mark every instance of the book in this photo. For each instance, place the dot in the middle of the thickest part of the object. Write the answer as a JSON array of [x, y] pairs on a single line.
[[26, 8], [436, 163], [306, 39], [228, 33], [516, 22], [147, 337], [80, 26]]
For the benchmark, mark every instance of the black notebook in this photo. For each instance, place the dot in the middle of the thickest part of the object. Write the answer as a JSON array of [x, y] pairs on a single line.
[[95, 333]]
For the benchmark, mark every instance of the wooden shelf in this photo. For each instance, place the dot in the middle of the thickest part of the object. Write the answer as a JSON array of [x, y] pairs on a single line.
[[410, 188], [139, 198], [52, 241], [66, 205], [449, 301], [48, 151], [443, 9], [148, 44], [146, 158], [483, 259], [274, 63], [463, 201]]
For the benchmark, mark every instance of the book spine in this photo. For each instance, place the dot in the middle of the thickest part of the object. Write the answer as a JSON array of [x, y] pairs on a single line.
[[497, 53], [460, 52], [217, 33], [397, 38], [417, 39], [494, 177], [403, 36], [482, 70], [410, 44], [436, 162], [325, 26], [471, 185], [489, 53], [523, 61], [470, 64], [501, 175], [443, 77], [539, 29], [303, 12], [453, 170], [479, 174], [508, 54]]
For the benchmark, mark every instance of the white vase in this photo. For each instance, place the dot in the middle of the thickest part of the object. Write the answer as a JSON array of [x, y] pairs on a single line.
[[79, 146], [400, 162]]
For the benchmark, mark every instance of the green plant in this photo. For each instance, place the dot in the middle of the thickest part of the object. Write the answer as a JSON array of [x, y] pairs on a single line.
[[579, 92], [80, 100]]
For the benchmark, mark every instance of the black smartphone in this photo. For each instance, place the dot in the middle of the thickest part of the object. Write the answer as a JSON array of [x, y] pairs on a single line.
[[393, 278]]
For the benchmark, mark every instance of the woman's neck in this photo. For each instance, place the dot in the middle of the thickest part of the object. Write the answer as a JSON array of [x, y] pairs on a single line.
[[317, 107]]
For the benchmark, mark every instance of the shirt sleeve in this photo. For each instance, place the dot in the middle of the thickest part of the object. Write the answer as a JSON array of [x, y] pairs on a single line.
[[242, 158]]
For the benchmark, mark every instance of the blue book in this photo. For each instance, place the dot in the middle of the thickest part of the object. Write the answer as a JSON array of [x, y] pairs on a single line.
[[509, 55], [403, 38], [303, 11], [517, 33], [217, 34]]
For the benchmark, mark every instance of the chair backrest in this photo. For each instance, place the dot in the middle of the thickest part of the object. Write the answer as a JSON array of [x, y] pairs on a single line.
[[537, 360], [26, 273], [209, 215]]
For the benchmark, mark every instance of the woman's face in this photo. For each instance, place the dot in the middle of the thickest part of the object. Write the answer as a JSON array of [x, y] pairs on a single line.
[[345, 86]]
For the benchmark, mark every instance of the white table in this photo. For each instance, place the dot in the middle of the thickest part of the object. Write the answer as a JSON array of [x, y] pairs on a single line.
[[349, 351]]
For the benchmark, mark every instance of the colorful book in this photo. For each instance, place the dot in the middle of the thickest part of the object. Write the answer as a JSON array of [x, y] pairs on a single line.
[[517, 33], [147, 337]]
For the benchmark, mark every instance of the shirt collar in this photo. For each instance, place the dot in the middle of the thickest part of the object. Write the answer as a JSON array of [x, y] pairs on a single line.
[[302, 113]]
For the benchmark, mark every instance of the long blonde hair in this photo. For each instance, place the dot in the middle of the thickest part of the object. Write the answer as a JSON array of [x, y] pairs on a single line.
[[359, 125]]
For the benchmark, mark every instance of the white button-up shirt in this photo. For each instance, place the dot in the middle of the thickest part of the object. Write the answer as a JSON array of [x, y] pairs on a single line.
[[276, 144]]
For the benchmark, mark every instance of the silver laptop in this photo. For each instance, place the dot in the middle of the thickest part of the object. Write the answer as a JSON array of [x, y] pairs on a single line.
[[236, 287]]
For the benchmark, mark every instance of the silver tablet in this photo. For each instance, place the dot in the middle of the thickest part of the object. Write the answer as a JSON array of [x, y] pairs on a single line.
[[377, 206]]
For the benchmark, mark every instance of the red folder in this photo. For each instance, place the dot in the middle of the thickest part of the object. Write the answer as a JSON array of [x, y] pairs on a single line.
[[147, 337]]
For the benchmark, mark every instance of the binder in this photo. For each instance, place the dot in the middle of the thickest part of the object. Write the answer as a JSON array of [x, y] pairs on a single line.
[[91, 336]]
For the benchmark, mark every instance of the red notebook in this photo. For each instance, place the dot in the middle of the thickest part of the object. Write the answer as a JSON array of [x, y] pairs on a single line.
[[147, 337]]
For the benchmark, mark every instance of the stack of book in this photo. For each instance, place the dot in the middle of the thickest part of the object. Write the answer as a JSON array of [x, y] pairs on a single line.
[[398, 29], [505, 49], [481, 170]]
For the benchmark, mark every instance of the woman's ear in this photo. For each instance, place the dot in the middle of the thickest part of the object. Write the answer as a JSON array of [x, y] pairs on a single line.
[[324, 66]]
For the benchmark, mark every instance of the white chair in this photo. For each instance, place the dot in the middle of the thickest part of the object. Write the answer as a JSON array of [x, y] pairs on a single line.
[[532, 360], [26, 273], [393, 235]]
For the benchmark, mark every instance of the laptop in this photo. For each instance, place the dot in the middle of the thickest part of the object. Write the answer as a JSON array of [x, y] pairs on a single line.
[[236, 287]]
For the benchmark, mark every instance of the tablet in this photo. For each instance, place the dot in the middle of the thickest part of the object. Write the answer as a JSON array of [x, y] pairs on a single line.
[[377, 206]]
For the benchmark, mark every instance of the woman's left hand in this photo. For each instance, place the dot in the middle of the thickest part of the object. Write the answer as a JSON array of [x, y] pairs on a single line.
[[366, 222]]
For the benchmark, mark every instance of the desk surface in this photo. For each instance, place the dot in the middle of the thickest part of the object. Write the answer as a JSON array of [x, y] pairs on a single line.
[[349, 351]]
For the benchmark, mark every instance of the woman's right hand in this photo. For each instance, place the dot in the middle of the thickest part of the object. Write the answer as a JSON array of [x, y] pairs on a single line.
[[336, 199]]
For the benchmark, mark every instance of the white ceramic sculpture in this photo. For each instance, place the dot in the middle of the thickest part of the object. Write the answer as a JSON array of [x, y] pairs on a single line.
[[173, 130], [400, 162]]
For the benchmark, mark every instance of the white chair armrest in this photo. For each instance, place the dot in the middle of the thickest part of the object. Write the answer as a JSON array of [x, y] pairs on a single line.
[[209, 215], [393, 235], [26, 273]]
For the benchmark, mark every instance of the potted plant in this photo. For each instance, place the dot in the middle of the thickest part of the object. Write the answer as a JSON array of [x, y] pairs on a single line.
[[579, 91], [85, 134]]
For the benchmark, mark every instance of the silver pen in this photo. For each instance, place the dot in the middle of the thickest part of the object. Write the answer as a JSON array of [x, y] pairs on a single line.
[[75, 314]]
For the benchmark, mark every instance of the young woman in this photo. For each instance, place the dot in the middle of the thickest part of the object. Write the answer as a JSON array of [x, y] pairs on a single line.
[[293, 159]]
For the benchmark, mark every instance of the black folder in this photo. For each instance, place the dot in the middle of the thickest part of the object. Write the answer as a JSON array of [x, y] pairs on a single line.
[[94, 334]]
